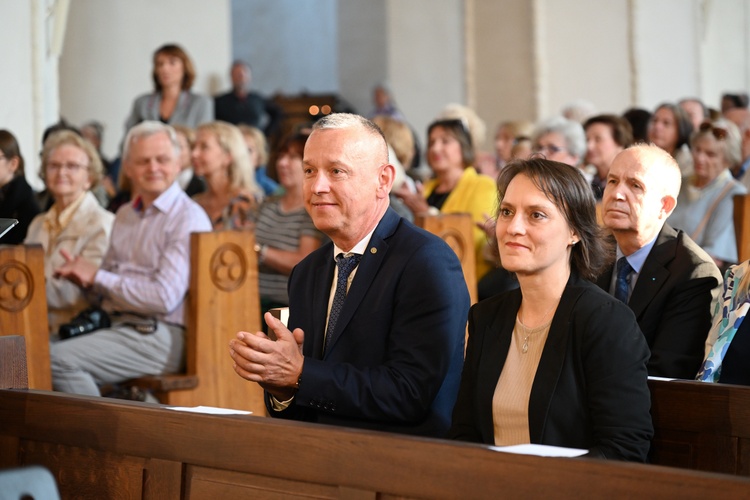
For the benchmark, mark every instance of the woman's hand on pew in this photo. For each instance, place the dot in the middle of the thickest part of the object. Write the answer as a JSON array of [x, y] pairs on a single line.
[[275, 364]]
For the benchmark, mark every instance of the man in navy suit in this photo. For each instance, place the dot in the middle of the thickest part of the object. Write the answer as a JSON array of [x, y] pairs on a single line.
[[671, 283], [390, 357]]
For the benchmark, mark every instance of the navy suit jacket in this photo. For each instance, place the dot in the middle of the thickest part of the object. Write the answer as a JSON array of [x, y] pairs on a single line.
[[395, 357], [673, 301], [590, 390]]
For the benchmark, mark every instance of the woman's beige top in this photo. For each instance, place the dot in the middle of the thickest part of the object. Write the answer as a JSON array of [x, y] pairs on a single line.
[[510, 404]]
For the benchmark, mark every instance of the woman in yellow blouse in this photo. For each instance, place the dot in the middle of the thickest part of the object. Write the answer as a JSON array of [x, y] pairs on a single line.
[[456, 186]]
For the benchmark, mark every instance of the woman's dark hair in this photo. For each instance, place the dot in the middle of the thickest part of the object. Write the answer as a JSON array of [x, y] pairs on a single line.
[[9, 148], [684, 124], [459, 130], [568, 190], [293, 144], [638, 119], [622, 132], [173, 50]]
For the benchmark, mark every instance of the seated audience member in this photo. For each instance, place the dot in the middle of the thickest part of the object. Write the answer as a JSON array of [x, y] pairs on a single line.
[[456, 187], [507, 136], [670, 128], [17, 200], [639, 120], [221, 158], [93, 131], [741, 118], [242, 106], [75, 224], [558, 361], [382, 347], [695, 109], [732, 101], [384, 104], [606, 136], [578, 110], [187, 179], [172, 101], [257, 147], [668, 281], [284, 231], [728, 342], [560, 139], [522, 149], [705, 205], [143, 279], [400, 141]]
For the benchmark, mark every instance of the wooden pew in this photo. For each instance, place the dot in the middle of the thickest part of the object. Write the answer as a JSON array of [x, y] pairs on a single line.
[[23, 307], [99, 448], [742, 226], [701, 426], [223, 299], [458, 231], [13, 371]]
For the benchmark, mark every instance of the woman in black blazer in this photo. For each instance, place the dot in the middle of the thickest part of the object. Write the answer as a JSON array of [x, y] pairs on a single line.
[[558, 361]]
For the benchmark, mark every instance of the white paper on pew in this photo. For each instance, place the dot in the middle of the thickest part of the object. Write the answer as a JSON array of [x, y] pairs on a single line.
[[651, 377], [211, 410], [541, 450]]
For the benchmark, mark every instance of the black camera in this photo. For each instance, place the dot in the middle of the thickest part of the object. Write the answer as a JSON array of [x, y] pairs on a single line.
[[86, 321]]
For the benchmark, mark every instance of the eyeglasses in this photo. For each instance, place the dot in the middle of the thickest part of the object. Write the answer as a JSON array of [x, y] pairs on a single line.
[[719, 133], [70, 167], [547, 149]]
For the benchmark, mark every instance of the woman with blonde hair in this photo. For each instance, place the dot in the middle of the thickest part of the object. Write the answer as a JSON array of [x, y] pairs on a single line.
[[257, 146], [75, 223], [221, 157]]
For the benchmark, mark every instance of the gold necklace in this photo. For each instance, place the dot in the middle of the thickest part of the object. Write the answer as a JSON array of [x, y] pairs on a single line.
[[526, 333]]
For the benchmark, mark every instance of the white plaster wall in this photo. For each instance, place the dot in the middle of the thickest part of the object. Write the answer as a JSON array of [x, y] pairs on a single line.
[[291, 45], [363, 49], [425, 57], [107, 57], [584, 54], [666, 51], [504, 77], [16, 87], [725, 49]]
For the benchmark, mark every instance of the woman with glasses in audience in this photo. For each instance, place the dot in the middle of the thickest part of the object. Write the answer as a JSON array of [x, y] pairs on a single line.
[[560, 139], [670, 129], [456, 186], [17, 200], [172, 101], [76, 225], [221, 158], [558, 361], [705, 205]]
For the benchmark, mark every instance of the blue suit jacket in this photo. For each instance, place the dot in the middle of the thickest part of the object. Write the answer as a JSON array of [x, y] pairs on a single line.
[[395, 358]]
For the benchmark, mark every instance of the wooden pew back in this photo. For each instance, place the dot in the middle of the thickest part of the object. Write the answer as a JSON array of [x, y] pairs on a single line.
[[701, 426], [23, 307], [223, 300], [99, 448], [13, 373], [458, 231], [742, 226]]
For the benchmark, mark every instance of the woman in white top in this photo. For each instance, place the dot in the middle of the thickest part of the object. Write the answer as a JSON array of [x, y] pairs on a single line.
[[75, 225]]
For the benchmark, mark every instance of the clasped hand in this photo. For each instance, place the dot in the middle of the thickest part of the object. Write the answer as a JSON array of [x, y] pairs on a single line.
[[275, 364]]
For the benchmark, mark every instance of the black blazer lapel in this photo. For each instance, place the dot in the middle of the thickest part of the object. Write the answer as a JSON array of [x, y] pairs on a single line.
[[323, 278], [654, 272], [553, 358], [498, 334]]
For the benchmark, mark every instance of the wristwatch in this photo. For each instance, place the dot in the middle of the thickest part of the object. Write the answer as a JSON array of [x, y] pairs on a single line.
[[261, 251]]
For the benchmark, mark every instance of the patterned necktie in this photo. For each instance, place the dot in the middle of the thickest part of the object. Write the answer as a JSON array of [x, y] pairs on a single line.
[[346, 265], [622, 284]]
